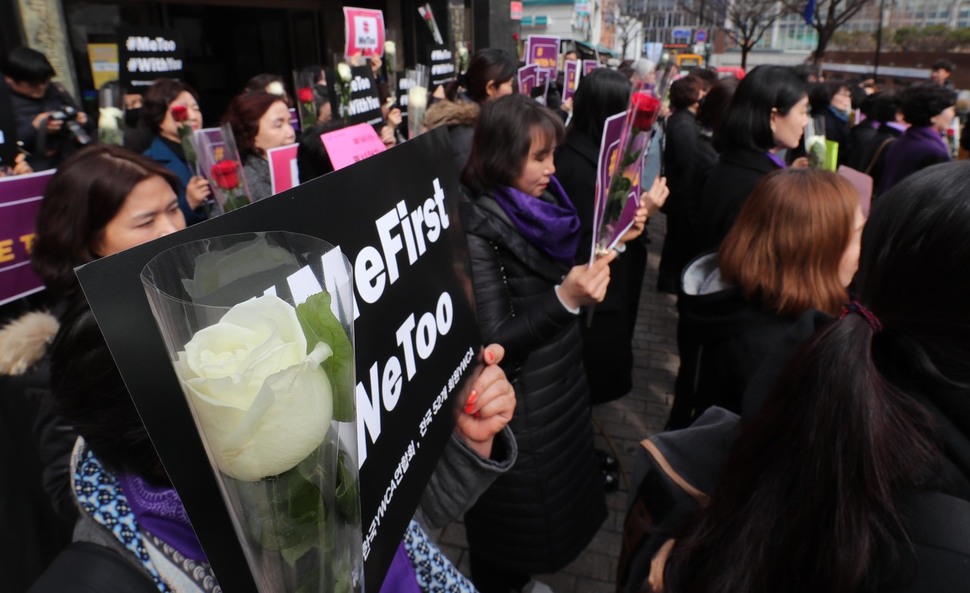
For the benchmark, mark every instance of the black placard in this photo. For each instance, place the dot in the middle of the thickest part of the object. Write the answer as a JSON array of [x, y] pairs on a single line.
[[403, 84], [8, 128], [347, 208], [147, 54], [442, 62], [365, 101]]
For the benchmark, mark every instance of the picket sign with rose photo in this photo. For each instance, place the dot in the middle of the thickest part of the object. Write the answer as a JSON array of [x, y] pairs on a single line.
[[263, 349], [219, 162], [616, 200]]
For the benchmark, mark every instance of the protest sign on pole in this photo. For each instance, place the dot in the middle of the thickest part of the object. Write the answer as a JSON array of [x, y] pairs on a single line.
[[20, 198], [528, 78], [543, 51], [364, 31], [571, 73], [395, 217]]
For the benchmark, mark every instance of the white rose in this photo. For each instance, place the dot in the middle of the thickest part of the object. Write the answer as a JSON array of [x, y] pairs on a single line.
[[343, 71], [276, 88], [417, 97], [390, 48], [109, 117], [263, 403]]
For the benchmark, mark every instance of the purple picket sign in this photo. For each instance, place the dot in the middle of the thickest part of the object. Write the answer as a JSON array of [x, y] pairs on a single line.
[[20, 198], [607, 162], [543, 52], [589, 66], [571, 72], [528, 77]]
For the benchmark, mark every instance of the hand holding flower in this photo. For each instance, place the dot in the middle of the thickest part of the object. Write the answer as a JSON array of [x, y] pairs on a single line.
[[197, 191], [490, 404], [587, 284]]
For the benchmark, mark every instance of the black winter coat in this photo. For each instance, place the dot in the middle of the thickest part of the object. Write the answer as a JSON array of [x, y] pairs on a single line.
[[723, 340], [679, 147], [730, 183], [607, 346], [538, 516]]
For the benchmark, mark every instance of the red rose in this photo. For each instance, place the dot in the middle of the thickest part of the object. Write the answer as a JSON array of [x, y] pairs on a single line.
[[305, 95], [226, 174], [180, 113], [645, 109]]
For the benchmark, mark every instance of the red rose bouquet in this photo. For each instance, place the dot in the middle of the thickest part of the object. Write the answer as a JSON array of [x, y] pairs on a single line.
[[225, 174], [180, 113], [625, 172]]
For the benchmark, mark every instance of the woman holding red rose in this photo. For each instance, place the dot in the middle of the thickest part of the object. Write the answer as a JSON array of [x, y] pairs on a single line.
[[607, 346], [260, 121], [523, 235], [169, 106]]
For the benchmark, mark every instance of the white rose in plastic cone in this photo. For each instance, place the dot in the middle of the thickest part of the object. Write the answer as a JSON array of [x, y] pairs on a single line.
[[263, 403], [343, 71], [108, 118]]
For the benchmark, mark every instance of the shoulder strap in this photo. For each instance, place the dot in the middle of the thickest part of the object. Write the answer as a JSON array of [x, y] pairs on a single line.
[[84, 566], [875, 158]]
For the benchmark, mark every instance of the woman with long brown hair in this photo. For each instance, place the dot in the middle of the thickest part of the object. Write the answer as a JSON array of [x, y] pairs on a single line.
[[855, 476], [793, 248]]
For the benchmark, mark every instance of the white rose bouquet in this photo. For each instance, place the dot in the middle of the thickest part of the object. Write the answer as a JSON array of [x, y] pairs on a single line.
[[344, 75], [271, 388], [110, 126]]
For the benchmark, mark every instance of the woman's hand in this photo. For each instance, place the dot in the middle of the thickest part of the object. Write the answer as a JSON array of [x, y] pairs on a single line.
[[639, 223], [586, 284], [394, 118], [656, 196], [800, 163], [490, 404], [20, 165], [197, 191], [388, 137]]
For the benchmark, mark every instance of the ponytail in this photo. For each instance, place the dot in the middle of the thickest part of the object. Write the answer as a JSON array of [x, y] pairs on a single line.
[[808, 501]]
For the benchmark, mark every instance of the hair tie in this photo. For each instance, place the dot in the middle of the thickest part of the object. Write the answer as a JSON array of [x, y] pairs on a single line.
[[869, 316]]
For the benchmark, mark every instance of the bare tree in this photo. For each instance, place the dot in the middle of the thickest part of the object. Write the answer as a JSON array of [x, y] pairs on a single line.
[[745, 22], [629, 22], [828, 16]]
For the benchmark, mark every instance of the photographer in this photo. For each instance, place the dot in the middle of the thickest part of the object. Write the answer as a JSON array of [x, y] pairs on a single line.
[[49, 123]]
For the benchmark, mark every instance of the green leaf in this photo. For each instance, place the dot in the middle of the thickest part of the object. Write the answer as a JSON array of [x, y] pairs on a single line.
[[320, 325]]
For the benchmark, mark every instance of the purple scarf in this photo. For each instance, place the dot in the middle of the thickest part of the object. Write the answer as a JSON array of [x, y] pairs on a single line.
[[553, 228], [776, 159], [159, 510]]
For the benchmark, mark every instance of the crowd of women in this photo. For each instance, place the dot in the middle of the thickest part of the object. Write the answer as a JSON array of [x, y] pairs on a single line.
[[852, 383]]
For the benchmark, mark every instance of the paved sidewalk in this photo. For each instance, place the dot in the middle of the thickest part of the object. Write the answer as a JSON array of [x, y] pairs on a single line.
[[624, 423]]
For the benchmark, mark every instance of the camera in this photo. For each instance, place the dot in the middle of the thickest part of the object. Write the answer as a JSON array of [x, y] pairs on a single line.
[[68, 115]]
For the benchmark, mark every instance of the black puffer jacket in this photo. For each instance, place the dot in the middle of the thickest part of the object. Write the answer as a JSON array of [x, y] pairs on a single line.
[[537, 517], [722, 338]]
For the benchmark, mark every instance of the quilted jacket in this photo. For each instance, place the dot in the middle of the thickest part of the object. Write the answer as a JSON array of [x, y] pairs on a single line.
[[538, 516]]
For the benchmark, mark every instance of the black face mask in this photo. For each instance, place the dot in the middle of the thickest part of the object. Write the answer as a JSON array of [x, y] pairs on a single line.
[[132, 116]]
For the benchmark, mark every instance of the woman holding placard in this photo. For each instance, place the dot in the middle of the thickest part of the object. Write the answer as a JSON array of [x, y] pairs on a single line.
[[260, 121], [608, 353], [523, 235], [171, 111]]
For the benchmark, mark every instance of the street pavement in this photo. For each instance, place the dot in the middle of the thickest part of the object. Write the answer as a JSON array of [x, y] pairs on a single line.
[[619, 427]]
